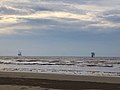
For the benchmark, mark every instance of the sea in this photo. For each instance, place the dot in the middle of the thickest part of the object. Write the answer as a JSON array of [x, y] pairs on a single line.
[[71, 65]]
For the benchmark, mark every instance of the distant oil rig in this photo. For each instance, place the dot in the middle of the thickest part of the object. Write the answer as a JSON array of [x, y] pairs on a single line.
[[19, 53], [92, 54]]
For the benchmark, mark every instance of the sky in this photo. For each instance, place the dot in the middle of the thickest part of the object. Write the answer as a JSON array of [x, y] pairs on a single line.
[[60, 27]]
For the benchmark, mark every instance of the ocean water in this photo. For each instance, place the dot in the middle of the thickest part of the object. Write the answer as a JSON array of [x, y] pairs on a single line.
[[100, 66]]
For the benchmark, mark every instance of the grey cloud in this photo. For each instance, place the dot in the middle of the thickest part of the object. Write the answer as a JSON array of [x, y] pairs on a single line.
[[112, 16], [117, 11], [102, 2], [37, 22], [7, 10], [72, 7]]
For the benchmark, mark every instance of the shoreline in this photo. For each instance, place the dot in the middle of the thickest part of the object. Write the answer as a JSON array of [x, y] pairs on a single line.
[[42, 81], [61, 77]]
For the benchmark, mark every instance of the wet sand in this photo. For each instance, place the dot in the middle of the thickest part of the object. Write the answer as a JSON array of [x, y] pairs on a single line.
[[19, 87], [35, 81]]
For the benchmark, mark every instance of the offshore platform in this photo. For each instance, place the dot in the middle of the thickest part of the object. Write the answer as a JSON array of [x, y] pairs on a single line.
[[19, 53], [92, 54]]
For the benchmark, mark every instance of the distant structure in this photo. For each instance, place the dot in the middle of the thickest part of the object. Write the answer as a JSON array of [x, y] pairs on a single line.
[[92, 54], [19, 53]]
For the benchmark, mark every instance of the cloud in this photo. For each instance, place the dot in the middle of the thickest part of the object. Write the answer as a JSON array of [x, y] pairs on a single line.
[[106, 24], [112, 16], [7, 31], [8, 20], [53, 14]]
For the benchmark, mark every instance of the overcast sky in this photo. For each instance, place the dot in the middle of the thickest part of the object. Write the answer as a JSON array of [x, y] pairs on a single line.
[[60, 27]]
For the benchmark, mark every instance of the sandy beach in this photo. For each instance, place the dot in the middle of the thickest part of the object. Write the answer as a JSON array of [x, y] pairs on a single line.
[[42, 81]]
